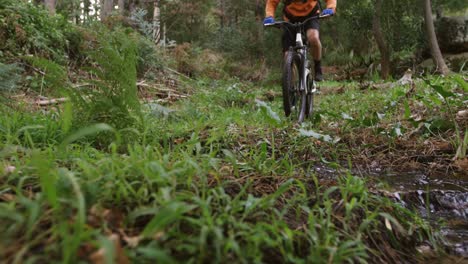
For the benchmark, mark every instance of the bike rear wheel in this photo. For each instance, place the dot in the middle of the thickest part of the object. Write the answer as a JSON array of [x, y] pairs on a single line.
[[294, 100]]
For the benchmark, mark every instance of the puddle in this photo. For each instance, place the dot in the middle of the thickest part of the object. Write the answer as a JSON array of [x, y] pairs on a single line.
[[438, 198]]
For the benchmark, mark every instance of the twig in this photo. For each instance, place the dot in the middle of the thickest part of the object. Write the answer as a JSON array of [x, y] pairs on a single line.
[[178, 73]]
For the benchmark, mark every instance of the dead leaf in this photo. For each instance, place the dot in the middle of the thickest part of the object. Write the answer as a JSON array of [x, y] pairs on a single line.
[[113, 217], [178, 140], [9, 169], [388, 224], [99, 257], [462, 164], [132, 241], [7, 197], [443, 146]]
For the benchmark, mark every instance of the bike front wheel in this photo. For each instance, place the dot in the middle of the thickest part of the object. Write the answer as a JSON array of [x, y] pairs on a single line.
[[294, 100], [311, 86]]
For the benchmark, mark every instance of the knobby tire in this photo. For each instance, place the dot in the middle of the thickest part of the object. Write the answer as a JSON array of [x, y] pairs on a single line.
[[310, 97], [294, 101]]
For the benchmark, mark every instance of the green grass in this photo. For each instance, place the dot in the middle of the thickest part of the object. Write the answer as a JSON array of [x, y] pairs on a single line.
[[221, 178]]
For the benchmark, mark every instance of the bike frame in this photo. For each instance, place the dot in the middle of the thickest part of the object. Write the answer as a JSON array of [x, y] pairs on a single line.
[[301, 48]]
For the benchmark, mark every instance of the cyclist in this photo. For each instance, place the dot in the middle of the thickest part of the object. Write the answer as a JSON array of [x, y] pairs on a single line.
[[298, 11]]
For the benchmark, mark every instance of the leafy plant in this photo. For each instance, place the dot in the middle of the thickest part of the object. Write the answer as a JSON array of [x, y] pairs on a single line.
[[29, 30], [113, 99], [9, 77], [438, 86], [50, 76]]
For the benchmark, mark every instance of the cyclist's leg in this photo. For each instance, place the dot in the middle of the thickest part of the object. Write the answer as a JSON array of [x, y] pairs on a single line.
[[288, 40], [313, 36]]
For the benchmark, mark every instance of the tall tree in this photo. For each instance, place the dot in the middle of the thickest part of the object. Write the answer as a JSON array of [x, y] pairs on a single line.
[[50, 5], [156, 22], [106, 8], [432, 39], [380, 39], [121, 4]]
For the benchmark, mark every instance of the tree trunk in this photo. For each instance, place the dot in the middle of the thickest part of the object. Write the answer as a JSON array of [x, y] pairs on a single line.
[[432, 39], [259, 14], [121, 4], [86, 10], [50, 5], [132, 6], [379, 38], [106, 8], [222, 13], [156, 22]]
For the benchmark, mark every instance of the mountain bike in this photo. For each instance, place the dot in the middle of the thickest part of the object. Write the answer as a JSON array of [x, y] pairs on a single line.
[[298, 82]]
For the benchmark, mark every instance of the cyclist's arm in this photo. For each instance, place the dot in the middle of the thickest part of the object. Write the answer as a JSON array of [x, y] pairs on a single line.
[[331, 4], [271, 7]]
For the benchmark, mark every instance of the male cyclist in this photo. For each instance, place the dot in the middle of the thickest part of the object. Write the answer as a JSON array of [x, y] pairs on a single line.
[[298, 11]]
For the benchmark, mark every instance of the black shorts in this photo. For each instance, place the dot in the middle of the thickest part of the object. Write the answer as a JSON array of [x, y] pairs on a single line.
[[289, 36]]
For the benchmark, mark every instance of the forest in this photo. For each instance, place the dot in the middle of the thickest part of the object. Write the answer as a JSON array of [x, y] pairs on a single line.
[[153, 131]]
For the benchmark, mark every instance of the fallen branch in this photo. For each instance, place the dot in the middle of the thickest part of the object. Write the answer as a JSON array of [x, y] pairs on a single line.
[[51, 101], [178, 73]]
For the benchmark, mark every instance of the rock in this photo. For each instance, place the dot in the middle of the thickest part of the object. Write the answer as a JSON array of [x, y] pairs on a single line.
[[426, 66], [9, 169], [462, 115], [406, 79], [452, 34], [457, 61]]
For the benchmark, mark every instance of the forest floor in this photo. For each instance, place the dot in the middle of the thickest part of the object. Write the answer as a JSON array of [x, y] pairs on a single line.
[[217, 173]]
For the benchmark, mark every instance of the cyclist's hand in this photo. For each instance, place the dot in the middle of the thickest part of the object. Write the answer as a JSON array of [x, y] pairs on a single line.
[[328, 12], [268, 20]]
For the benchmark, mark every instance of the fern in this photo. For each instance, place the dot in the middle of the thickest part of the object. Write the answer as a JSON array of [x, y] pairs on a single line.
[[9, 77], [114, 99], [54, 76]]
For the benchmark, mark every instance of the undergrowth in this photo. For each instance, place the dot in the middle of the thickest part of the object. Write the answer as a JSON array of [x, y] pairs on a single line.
[[220, 178]]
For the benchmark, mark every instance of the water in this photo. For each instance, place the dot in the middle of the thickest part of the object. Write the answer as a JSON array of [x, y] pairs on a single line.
[[440, 198]]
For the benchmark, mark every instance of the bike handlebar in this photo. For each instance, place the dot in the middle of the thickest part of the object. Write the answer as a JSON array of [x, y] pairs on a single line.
[[298, 24]]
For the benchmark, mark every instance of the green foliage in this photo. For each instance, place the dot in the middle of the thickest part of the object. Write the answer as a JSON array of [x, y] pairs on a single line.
[[450, 5], [439, 87], [152, 60], [145, 27], [28, 29], [113, 99], [211, 185], [350, 32], [51, 77], [9, 77]]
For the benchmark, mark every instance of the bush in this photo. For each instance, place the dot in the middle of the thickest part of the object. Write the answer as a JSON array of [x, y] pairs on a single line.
[[151, 59], [9, 77], [29, 29]]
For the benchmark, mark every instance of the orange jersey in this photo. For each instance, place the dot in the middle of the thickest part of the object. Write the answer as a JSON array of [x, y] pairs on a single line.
[[297, 8]]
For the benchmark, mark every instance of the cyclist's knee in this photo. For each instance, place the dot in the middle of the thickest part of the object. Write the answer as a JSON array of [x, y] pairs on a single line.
[[313, 37]]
